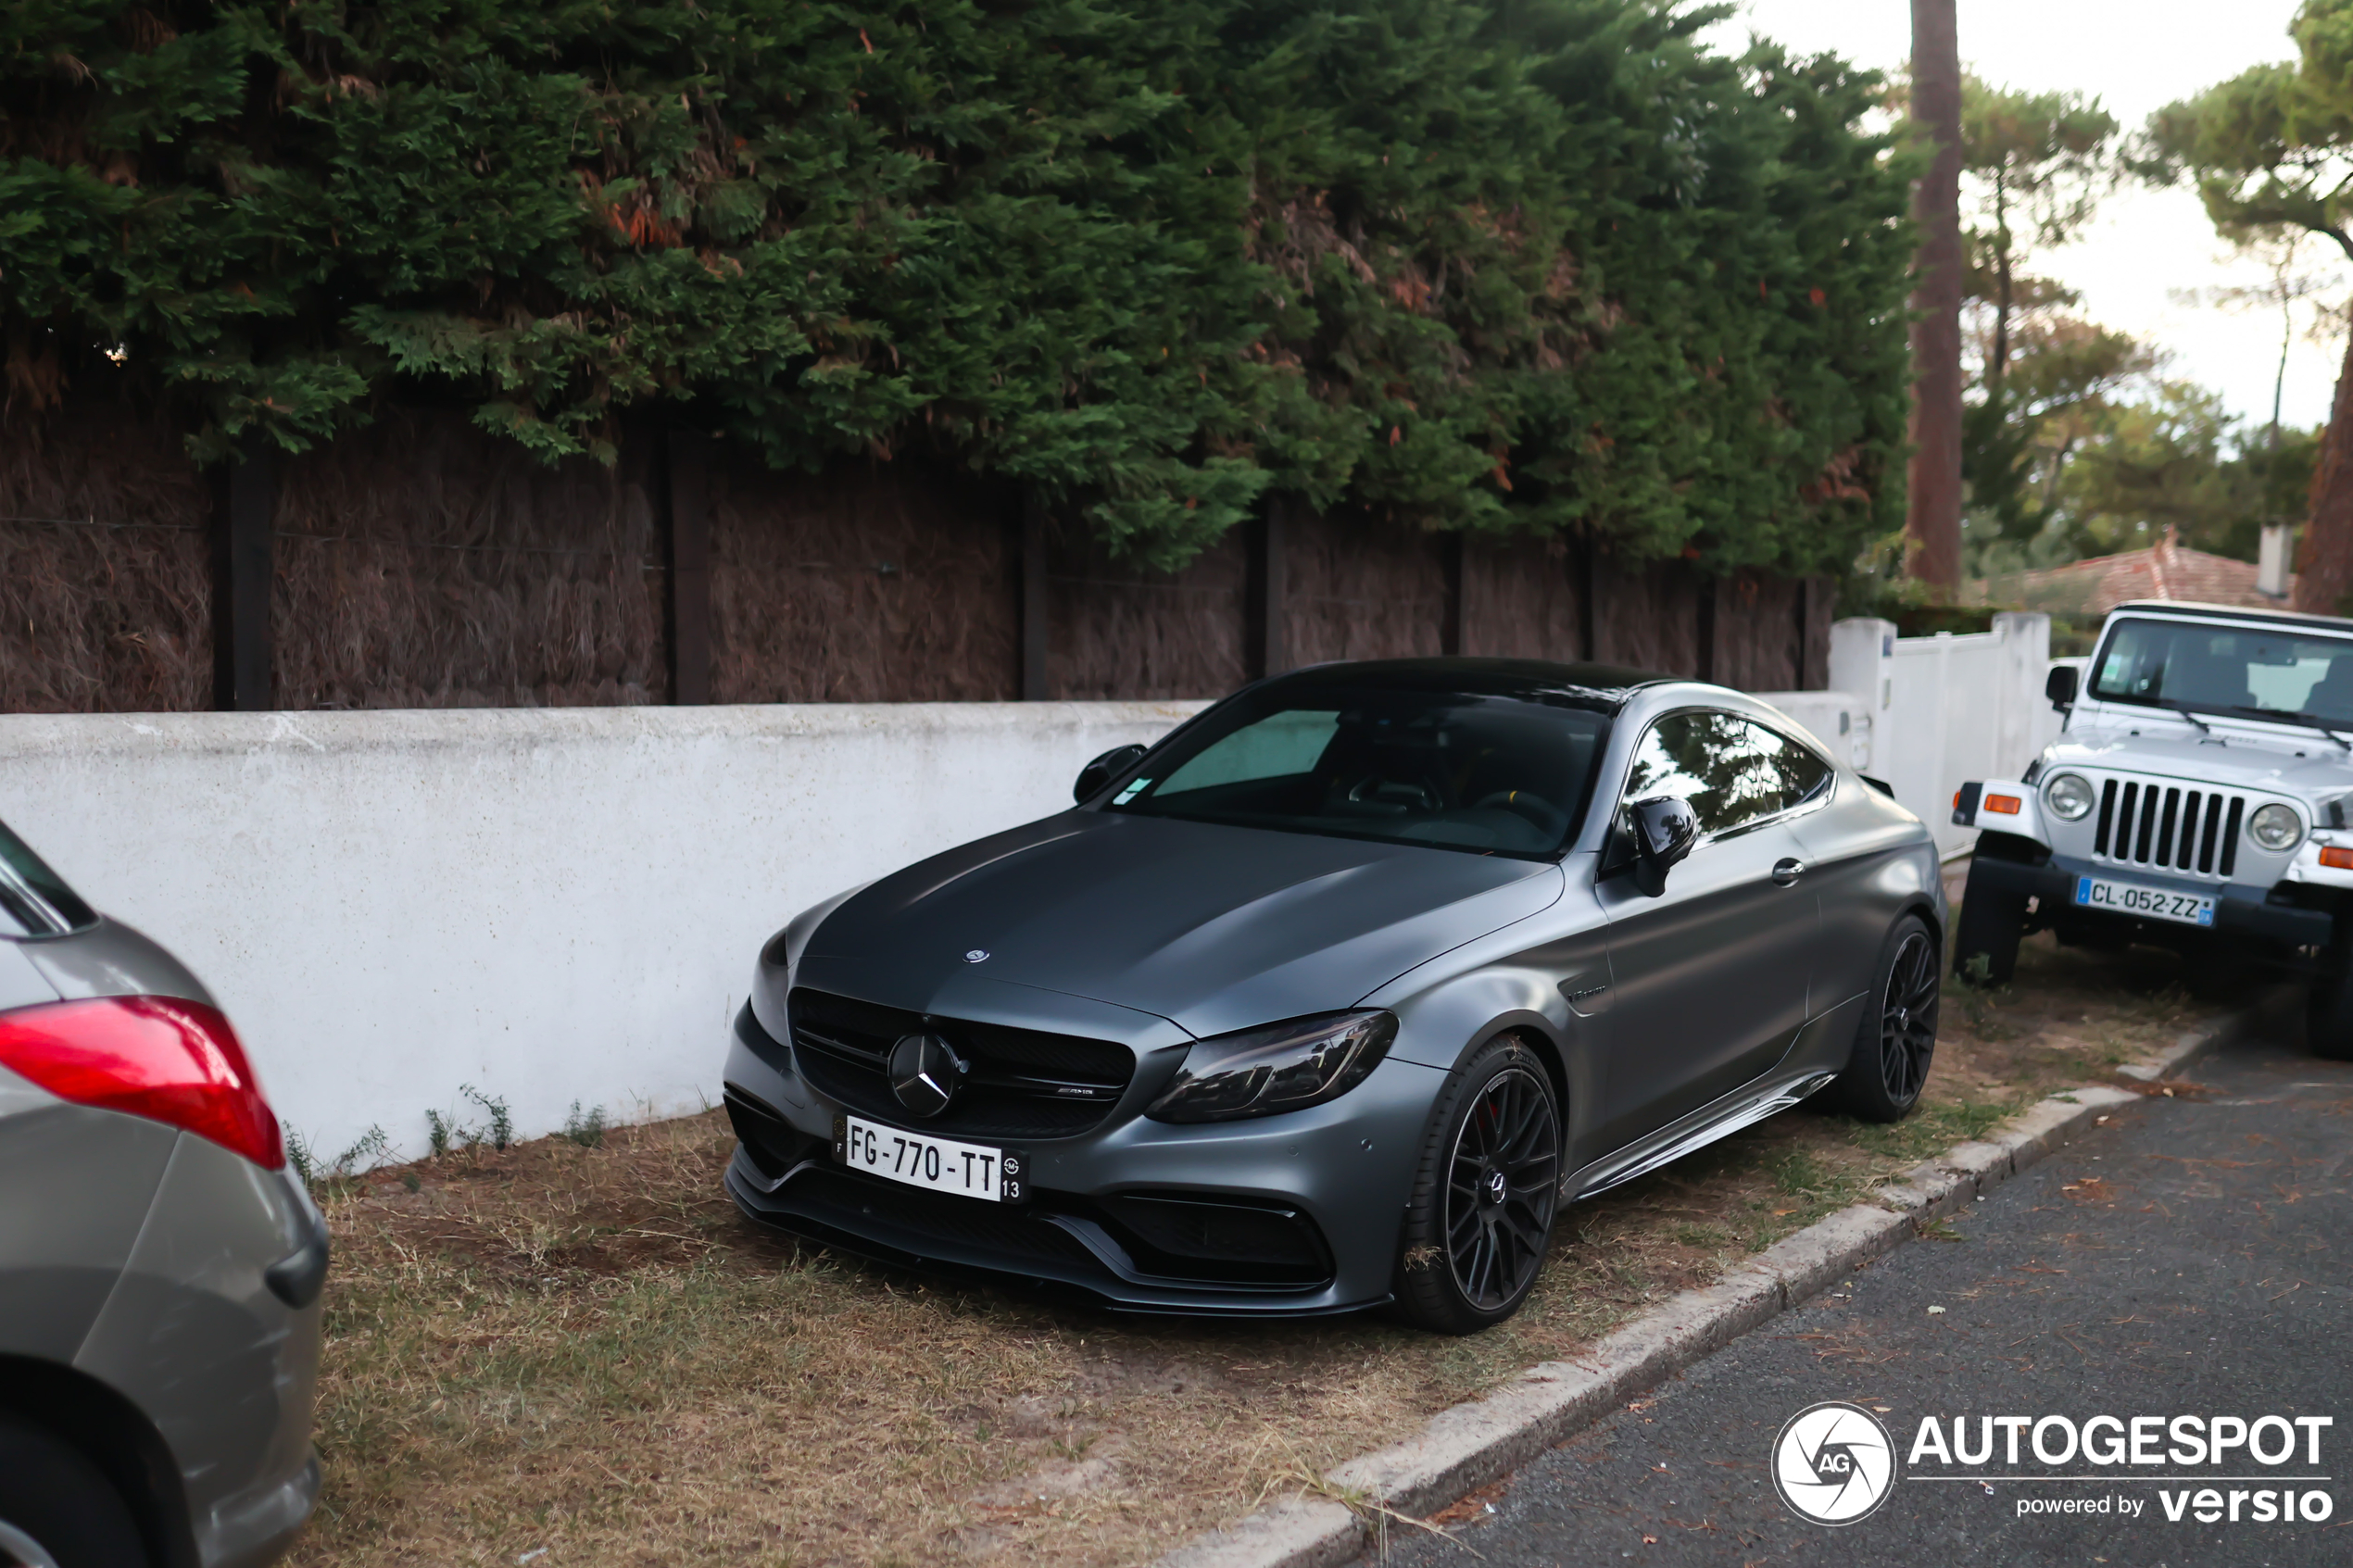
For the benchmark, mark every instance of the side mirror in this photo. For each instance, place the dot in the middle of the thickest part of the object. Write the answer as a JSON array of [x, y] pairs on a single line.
[[1665, 829], [2060, 685], [1103, 769]]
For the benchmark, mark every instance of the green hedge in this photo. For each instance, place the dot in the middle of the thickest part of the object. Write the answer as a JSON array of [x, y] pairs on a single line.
[[1542, 266]]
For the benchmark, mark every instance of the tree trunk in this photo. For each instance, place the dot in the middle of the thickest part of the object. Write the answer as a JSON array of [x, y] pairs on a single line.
[[2000, 361], [1935, 523], [2325, 564]]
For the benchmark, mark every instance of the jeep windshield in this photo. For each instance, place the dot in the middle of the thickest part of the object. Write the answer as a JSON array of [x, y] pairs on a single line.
[[1483, 772], [2251, 673]]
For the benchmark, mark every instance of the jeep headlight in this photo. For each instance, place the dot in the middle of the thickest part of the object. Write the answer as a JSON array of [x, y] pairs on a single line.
[[2275, 827], [1287, 1067], [2068, 795]]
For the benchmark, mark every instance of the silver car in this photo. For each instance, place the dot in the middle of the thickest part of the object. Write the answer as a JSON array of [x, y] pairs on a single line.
[[159, 1268], [1336, 995]]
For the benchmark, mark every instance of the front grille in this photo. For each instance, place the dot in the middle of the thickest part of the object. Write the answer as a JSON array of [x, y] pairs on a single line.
[[1024, 1084], [2189, 832]]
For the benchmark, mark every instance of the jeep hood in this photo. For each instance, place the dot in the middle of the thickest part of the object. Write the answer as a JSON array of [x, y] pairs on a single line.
[[2266, 763], [1214, 927]]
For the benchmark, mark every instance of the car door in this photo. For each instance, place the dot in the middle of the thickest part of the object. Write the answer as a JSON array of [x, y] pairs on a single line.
[[1710, 976]]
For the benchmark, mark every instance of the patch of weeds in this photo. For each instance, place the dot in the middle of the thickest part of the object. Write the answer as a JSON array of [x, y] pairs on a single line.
[[334, 1178], [502, 1121], [1799, 1174], [1940, 1229], [441, 1133], [587, 1131], [1982, 1000], [1703, 1237]]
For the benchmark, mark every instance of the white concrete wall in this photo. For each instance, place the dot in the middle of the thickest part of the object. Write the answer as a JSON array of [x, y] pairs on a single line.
[[551, 904]]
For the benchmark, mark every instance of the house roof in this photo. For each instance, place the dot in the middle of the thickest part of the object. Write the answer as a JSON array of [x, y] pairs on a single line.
[[2167, 570]]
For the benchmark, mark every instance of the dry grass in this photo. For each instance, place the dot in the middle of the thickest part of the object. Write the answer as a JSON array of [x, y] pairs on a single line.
[[587, 1349]]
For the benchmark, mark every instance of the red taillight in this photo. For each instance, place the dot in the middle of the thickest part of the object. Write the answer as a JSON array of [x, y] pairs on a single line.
[[158, 1057]]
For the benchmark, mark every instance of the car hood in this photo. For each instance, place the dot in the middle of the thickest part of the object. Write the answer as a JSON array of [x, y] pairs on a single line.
[[2248, 761], [1216, 928]]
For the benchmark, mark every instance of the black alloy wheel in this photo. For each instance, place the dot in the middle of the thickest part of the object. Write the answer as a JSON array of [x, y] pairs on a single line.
[[1895, 1042], [1907, 1019], [1480, 1218]]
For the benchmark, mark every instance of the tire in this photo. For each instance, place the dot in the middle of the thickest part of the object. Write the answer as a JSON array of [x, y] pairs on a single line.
[[2328, 1021], [1990, 925], [54, 1501], [1896, 1039], [1485, 1194]]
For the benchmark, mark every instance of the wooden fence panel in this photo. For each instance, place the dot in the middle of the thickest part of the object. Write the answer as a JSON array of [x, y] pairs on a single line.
[[1647, 617], [1356, 590], [1117, 631], [105, 570], [424, 563], [1524, 599], [871, 582]]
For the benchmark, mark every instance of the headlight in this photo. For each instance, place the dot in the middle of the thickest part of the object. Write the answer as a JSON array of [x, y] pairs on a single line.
[[2275, 827], [1285, 1067], [2070, 796]]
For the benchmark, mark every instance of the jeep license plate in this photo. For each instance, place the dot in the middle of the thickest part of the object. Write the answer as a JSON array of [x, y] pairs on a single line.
[[968, 1170], [2149, 903]]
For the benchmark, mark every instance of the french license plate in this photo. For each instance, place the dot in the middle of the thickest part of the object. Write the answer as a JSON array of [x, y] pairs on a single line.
[[968, 1170], [2150, 903]]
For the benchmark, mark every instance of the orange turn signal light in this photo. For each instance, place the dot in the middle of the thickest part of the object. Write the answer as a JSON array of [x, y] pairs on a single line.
[[2006, 805], [2337, 860]]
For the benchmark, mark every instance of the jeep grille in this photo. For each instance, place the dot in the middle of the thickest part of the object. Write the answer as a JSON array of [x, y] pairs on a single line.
[[2190, 831]]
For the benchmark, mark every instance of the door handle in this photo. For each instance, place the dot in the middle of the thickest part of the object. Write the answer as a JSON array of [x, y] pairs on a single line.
[[1787, 872]]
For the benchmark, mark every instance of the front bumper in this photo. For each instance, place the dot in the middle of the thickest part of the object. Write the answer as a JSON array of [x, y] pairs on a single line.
[[1342, 1169], [2240, 914]]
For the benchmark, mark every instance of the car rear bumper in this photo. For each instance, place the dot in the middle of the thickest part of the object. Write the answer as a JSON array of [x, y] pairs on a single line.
[[2283, 929]]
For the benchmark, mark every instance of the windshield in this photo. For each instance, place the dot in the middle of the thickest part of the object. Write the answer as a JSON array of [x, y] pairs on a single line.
[[1485, 774], [2229, 670]]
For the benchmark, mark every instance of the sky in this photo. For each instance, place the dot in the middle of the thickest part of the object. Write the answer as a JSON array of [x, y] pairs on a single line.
[[2146, 247]]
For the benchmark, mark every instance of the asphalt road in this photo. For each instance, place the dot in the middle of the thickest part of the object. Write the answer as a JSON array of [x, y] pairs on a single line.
[[2193, 1255]]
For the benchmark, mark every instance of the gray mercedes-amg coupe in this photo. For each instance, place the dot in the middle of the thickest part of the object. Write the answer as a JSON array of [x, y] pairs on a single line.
[[1336, 993]]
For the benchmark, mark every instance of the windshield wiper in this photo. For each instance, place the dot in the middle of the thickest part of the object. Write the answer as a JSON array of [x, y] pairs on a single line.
[[2278, 716], [2175, 708]]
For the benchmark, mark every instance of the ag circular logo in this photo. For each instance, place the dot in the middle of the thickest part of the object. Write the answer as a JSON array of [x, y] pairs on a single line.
[[1833, 1464]]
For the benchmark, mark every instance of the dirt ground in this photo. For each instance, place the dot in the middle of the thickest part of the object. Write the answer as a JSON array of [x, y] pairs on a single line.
[[563, 1353]]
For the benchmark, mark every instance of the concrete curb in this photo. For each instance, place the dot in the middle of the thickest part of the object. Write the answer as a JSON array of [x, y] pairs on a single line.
[[1473, 1444]]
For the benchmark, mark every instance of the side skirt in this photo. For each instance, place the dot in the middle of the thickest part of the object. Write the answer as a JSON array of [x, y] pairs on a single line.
[[1720, 1120]]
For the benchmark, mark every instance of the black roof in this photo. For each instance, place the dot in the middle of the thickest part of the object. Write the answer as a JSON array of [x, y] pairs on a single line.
[[1604, 687], [2234, 612]]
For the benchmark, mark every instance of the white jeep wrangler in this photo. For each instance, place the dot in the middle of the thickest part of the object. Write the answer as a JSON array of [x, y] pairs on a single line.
[[2195, 799]]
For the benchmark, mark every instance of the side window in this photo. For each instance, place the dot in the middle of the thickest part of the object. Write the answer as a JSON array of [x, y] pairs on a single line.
[[1803, 771], [1733, 771]]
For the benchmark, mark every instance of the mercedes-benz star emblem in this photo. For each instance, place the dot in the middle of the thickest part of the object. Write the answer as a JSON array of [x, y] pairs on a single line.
[[925, 1072], [976, 955]]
